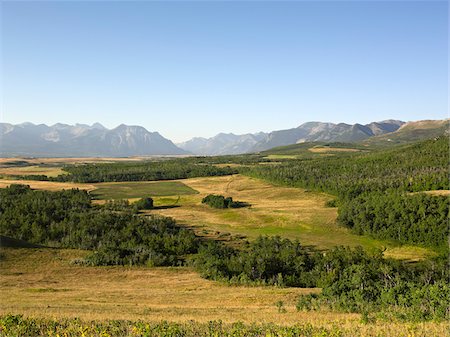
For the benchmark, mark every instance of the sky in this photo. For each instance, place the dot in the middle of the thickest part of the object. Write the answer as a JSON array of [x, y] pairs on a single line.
[[188, 69]]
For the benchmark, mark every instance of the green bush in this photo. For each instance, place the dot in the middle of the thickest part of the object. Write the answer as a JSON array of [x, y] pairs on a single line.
[[144, 203]]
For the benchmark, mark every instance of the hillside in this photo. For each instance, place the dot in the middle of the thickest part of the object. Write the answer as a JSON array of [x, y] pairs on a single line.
[[308, 132], [408, 133], [411, 132]]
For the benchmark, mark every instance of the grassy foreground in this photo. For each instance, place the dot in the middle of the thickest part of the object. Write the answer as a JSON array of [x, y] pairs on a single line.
[[57, 297], [14, 325]]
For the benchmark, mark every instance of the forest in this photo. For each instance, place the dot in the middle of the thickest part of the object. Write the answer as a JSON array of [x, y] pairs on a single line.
[[67, 219], [377, 186], [172, 169]]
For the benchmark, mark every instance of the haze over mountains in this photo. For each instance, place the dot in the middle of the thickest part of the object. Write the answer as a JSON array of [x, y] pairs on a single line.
[[80, 140], [307, 132], [62, 140]]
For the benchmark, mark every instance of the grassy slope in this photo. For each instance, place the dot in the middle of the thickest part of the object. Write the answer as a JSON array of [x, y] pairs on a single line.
[[47, 185], [43, 283], [126, 190], [313, 150], [411, 132], [290, 212], [30, 170]]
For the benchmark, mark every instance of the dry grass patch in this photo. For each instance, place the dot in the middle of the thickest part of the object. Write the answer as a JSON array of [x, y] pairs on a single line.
[[44, 282], [294, 213], [31, 170], [47, 185], [320, 149], [444, 193]]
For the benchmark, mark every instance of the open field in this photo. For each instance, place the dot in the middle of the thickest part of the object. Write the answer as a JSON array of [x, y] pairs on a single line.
[[47, 185], [49, 171], [44, 283], [290, 212], [127, 190]]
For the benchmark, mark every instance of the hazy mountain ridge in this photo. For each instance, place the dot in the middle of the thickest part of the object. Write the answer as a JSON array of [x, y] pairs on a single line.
[[307, 132], [412, 131], [223, 143], [28, 139], [81, 140]]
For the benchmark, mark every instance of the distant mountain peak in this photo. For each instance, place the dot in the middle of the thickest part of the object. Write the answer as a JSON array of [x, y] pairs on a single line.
[[63, 140], [97, 126]]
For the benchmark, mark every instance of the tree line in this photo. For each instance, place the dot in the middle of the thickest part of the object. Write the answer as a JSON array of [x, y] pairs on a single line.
[[376, 186], [136, 171], [352, 280]]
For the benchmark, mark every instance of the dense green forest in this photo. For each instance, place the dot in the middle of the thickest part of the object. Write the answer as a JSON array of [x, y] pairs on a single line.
[[419, 218], [352, 279], [375, 186], [418, 167], [67, 219]]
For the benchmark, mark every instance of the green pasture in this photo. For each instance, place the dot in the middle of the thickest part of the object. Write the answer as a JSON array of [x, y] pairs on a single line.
[[139, 189]]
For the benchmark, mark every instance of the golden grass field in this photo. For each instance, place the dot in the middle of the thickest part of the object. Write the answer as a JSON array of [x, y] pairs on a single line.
[[290, 212], [29, 170], [44, 283], [47, 185]]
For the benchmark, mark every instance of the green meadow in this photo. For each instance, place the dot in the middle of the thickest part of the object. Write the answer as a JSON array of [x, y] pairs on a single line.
[[129, 190]]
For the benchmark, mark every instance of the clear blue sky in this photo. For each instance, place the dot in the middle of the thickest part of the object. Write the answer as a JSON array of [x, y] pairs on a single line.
[[198, 68]]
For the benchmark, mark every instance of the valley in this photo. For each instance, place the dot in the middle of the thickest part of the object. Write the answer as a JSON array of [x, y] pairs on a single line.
[[180, 260]]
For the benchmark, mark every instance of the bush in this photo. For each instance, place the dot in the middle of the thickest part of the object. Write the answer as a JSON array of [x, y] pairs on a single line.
[[219, 201], [144, 203]]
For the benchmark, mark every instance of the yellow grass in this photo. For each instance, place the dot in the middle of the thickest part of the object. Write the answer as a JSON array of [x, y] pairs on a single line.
[[30, 170], [47, 185], [44, 283], [281, 156], [331, 149], [444, 193], [290, 212]]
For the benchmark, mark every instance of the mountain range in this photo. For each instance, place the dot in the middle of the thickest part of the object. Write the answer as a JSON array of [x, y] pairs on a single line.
[[228, 143], [81, 140]]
